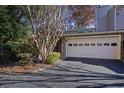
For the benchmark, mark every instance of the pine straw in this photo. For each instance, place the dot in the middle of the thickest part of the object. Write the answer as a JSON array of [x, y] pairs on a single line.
[[23, 69]]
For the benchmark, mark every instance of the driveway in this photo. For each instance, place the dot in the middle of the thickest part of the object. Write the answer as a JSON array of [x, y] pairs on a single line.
[[71, 72]]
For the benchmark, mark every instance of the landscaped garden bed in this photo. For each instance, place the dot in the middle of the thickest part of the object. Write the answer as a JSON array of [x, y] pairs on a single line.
[[24, 69], [27, 48], [20, 59]]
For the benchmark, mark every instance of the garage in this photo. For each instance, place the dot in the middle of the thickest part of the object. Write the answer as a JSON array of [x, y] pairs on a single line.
[[105, 47]]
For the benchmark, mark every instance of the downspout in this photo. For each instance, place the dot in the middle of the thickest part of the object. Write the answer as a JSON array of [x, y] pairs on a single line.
[[115, 21], [96, 19]]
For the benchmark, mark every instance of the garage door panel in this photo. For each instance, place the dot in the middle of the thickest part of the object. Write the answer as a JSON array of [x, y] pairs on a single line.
[[93, 53], [109, 52]]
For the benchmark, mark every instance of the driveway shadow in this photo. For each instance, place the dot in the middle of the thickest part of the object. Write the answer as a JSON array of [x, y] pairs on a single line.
[[86, 79], [114, 65], [65, 75], [99, 85]]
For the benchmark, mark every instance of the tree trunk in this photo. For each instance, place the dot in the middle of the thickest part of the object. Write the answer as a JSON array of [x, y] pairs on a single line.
[[43, 57]]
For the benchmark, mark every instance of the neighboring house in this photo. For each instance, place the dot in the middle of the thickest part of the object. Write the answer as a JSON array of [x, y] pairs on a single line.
[[109, 18], [115, 19], [101, 43]]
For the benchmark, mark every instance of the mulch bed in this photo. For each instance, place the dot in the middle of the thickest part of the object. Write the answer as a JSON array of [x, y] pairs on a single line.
[[23, 69]]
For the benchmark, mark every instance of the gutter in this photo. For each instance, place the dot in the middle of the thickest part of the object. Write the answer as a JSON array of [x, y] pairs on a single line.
[[92, 33]]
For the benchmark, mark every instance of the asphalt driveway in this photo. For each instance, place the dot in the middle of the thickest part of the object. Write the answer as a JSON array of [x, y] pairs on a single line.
[[71, 72]]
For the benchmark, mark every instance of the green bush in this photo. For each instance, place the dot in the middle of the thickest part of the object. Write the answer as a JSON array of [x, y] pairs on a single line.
[[21, 48], [17, 53], [24, 58], [24, 52], [53, 57]]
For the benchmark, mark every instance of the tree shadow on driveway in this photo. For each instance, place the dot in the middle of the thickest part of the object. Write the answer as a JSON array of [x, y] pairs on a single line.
[[114, 65], [64, 75], [78, 79]]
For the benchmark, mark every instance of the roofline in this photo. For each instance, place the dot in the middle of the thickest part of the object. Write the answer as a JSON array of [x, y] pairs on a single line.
[[92, 33]]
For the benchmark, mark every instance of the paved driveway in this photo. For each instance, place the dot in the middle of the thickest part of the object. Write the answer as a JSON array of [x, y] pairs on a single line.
[[72, 72]]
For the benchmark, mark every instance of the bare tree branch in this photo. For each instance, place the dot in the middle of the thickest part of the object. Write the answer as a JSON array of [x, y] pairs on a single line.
[[47, 24]]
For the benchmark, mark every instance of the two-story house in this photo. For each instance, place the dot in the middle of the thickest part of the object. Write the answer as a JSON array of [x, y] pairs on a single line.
[[106, 42], [109, 18]]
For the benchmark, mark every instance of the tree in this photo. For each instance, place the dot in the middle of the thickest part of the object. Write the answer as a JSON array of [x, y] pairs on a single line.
[[4, 24], [11, 26], [81, 15], [47, 24]]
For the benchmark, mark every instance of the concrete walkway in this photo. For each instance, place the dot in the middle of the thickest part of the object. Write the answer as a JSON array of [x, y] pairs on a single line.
[[72, 72]]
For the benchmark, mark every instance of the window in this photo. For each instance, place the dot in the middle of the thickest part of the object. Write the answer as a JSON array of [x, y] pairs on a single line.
[[80, 44], [69, 44], [113, 44], [92, 44], [99, 44], [86, 44], [106, 44], [75, 44]]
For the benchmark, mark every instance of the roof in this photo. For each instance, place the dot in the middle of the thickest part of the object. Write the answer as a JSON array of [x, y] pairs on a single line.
[[75, 33]]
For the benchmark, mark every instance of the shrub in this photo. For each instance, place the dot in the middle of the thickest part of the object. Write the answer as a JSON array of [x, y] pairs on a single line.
[[53, 57], [17, 53], [21, 48], [6, 55], [25, 53], [24, 58]]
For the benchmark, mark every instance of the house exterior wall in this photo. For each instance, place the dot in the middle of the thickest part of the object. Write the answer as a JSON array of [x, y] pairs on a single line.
[[120, 20], [111, 20], [101, 18], [115, 19]]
